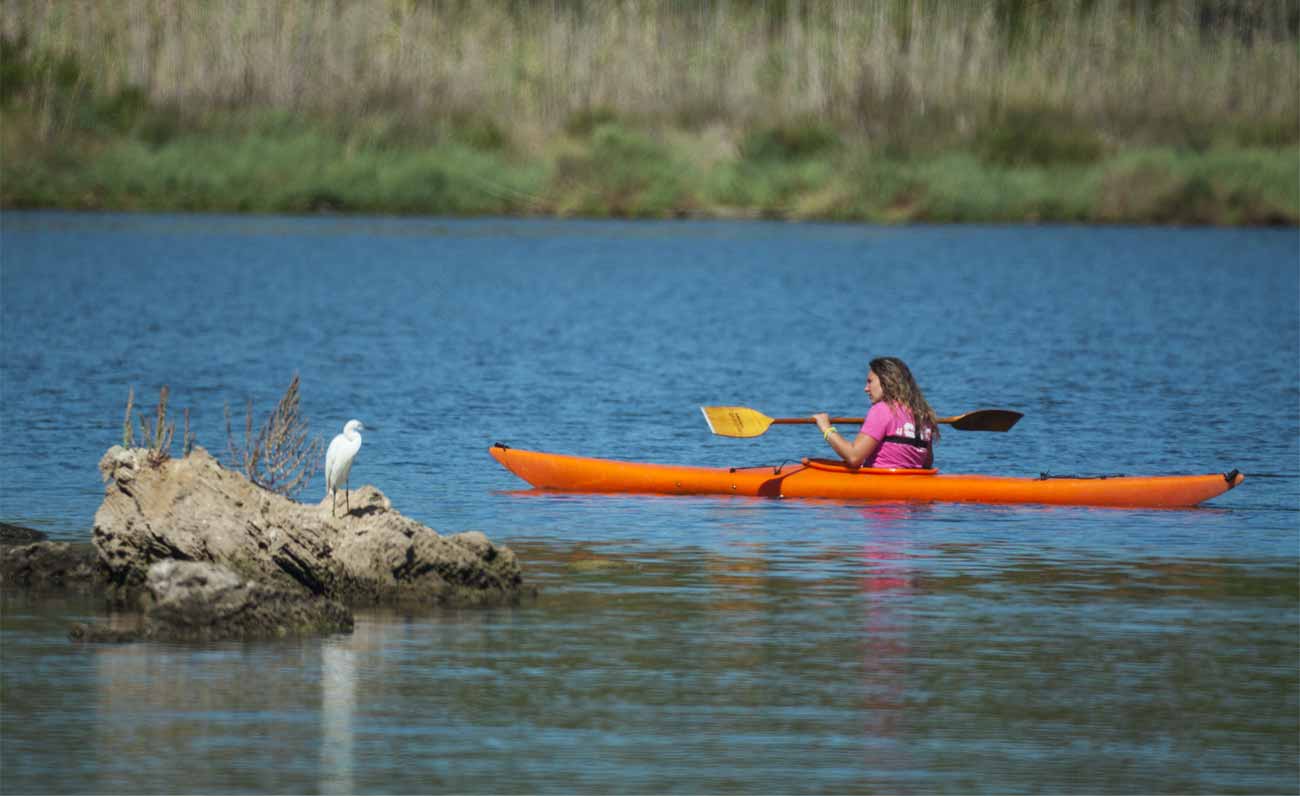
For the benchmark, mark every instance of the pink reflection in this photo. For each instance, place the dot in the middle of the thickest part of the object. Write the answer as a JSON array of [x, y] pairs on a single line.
[[887, 585]]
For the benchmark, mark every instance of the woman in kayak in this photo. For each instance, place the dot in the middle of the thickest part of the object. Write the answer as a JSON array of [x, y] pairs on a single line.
[[900, 429]]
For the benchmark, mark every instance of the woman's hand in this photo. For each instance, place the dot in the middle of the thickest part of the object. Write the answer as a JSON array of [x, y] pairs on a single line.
[[853, 453]]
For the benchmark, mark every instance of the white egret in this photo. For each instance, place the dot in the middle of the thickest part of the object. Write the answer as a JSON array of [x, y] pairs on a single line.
[[338, 461]]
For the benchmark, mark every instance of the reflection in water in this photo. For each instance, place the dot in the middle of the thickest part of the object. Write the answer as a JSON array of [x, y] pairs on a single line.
[[232, 715], [365, 656], [886, 585], [338, 713], [741, 664], [213, 712]]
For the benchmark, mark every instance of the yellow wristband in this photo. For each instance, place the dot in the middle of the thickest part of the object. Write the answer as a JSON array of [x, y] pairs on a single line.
[[826, 435]]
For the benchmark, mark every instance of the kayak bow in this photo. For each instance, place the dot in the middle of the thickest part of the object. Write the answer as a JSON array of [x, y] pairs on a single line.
[[816, 478]]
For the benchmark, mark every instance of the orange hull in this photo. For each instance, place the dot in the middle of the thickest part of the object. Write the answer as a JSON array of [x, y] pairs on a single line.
[[815, 479]]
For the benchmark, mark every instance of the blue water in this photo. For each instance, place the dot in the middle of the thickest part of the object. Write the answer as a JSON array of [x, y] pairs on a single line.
[[684, 644]]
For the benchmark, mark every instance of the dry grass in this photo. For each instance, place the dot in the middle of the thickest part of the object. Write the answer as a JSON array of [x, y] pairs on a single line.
[[883, 68], [156, 432], [128, 428], [281, 457]]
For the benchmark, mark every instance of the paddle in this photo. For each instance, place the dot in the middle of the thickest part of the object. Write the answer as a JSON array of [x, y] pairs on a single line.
[[741, 421]]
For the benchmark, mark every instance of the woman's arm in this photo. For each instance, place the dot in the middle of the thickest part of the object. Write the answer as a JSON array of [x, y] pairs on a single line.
[[853, 453]]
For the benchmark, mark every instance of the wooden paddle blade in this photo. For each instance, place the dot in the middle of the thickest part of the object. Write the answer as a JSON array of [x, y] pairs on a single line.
[[735, 421], [984, 420]]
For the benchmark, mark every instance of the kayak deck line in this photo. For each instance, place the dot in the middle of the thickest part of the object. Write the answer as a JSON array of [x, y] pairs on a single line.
[[1230, 477], [820, 478], [832, 466]]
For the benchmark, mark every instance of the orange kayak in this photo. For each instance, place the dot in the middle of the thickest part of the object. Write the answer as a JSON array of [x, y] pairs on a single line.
[[816, 478]]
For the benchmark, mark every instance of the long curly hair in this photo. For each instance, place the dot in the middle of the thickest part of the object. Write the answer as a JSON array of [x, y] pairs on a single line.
[[899, 388]]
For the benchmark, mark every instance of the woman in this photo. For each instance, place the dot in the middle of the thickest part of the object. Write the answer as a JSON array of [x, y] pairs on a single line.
[[889, 436]]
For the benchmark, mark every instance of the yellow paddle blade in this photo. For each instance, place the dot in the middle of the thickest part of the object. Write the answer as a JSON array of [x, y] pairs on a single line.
[[735, 421]]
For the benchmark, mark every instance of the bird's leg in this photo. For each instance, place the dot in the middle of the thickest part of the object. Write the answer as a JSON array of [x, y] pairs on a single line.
[[347, 487], [334, 503]]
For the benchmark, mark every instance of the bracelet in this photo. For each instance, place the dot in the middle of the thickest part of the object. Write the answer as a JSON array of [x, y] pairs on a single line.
[[826, 435]]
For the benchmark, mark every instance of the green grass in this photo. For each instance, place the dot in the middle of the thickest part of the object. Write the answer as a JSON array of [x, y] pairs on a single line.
[[294, 170], [1225, 185], [273, 163], [619, 172]]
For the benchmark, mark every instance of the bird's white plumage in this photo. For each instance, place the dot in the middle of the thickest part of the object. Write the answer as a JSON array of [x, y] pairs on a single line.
[[338, 459]]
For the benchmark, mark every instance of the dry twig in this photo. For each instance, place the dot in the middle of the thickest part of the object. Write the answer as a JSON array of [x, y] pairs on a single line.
[[187, 442], [128, 429]]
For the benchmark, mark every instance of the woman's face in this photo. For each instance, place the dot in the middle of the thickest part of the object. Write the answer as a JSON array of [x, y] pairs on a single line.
[[873, 387]]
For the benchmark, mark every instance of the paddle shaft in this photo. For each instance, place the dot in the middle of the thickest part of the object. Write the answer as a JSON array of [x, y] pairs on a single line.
[[741, 421], [786, 421]]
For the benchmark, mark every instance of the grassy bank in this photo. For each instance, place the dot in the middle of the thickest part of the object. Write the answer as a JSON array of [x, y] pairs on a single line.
[[278, 165], [901, 110]]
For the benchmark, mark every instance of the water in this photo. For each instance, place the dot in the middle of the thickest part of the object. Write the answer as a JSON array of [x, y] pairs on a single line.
[[684, 644]]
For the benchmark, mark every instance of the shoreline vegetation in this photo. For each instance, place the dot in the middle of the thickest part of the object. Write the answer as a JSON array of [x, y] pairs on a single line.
[[896, 111]]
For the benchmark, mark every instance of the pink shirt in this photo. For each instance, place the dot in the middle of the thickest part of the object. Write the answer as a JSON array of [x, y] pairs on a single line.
[[886, 420]]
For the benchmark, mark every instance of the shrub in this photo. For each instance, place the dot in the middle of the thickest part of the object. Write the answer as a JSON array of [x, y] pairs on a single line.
[[15, 67], [1154, 192], [796, 140], [156, 432], [623, 173], [1274, 133], [581, 124], [478, 131], [1036, 137], [281, 457]]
